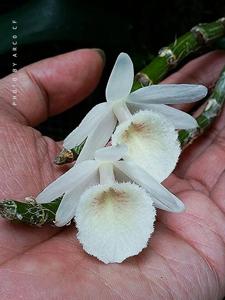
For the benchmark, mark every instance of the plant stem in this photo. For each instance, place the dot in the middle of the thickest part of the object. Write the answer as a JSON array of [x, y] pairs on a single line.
[[212, 109], [29, 212], [33, 213], [168, 57], [67, 156]]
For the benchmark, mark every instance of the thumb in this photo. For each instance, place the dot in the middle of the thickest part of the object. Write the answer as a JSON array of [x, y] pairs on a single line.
[[50, 86]]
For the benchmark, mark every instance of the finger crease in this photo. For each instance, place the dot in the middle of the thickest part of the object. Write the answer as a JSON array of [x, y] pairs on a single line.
[[38, 85]]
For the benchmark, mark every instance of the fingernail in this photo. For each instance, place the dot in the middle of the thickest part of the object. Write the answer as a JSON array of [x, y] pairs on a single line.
[[101, 53]]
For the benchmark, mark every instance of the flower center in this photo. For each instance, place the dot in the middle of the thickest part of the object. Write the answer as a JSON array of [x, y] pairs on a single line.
[[134, 129], [111, 196]]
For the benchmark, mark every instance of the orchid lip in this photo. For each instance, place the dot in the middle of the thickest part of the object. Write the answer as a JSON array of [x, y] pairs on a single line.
[[152, 142], [100, 229]]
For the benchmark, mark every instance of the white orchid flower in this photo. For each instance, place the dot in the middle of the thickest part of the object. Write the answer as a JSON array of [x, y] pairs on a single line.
[[100, 171], [114, 219], [99, 124]]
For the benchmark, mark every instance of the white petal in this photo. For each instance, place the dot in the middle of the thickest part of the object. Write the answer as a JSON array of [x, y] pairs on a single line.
[[68, 205], [152, 143], [65, 182], [115, 221], [180, 119], [98, 137], [162, 197], [169, 93], [90, 121], [111, 153], [121, 79]]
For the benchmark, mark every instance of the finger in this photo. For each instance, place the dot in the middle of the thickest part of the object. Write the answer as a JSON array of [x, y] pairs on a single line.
[[51, 86], [207, 153], [202, 70]]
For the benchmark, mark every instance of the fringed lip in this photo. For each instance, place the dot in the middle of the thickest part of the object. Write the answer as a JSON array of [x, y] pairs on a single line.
[[115, 221], [152, 143]]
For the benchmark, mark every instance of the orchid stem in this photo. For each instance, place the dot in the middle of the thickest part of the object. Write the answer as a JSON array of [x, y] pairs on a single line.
[[29, 212], [68, 155], [168, 57], [36, 214], [212, 109]]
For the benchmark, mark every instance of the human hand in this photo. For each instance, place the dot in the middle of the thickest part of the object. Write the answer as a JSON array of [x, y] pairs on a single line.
[[185, 258]]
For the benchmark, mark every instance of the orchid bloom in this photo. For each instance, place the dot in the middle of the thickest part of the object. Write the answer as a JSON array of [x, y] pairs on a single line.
[[99, 124], [97, 171], [113, 202]]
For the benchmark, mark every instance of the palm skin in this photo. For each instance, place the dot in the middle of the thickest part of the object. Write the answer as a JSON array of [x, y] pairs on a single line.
[[186, 255]]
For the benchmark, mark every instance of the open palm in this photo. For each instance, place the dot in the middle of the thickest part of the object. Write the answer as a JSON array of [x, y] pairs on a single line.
[[186, 255]]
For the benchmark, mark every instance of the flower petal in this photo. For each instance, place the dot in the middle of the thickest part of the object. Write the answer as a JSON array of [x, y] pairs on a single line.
[[121, 79], [168, 93], [90, 121], [162, 197], [66, 210], [115, 221], [111, 153], [98, 137], [180, 119], [66, 182], [152, 143]]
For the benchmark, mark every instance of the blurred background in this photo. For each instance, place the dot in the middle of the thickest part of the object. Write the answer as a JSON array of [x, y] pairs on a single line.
[[50, 27]]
